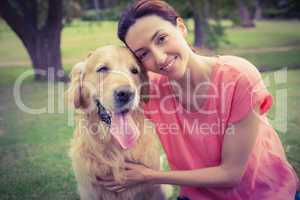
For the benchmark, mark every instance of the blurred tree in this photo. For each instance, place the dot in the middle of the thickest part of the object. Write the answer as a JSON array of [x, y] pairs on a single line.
[[240, 12], [258, 10], [286, 9], [199, 10], [38, 24], [101, 5], [72, 9], [97, 10], [245, 17], [206, 34], [96, 4]]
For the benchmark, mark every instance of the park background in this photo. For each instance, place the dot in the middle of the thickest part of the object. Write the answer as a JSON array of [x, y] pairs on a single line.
[[37, 35]]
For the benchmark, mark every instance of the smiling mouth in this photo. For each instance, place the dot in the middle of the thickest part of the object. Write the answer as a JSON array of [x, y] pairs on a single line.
[[167, 67]]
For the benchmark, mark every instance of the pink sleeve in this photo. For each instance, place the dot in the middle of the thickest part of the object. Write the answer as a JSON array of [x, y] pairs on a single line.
[[249, 92]]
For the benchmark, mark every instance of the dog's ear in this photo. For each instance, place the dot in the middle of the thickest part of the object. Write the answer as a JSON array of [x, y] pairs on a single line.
[[77, 93], [145, 85], [89, 54]]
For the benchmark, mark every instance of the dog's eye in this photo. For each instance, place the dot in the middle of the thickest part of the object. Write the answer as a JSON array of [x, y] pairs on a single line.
[[134, 71], [102, 68]]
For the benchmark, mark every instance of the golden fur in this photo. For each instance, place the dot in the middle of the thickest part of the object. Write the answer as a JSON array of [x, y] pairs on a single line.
[[94, 152]]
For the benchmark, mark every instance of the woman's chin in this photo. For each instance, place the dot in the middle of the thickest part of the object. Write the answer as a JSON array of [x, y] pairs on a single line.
[[176, 76], [176, 73]]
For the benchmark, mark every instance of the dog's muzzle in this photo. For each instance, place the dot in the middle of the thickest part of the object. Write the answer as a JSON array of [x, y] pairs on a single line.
[[123, 99]]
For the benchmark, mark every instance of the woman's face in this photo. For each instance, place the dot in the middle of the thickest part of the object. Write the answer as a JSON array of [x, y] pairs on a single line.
[[160, 45]]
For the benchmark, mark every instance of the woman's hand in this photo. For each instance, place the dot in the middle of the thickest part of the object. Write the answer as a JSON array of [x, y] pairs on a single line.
[[134, 174]]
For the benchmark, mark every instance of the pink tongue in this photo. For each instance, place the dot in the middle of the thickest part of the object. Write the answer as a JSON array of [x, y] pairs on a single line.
[[124, 130]]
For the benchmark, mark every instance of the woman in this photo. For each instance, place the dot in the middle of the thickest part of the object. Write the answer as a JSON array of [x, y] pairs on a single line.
[[209, 112]]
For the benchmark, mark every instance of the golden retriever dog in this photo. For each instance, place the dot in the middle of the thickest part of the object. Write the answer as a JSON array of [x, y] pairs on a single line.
[[110, 125]]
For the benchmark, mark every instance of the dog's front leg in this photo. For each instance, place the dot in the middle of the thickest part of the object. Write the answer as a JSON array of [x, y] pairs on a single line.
[[88, 192]]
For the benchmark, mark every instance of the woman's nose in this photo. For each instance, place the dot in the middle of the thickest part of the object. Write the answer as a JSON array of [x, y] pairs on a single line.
[[159, 56]]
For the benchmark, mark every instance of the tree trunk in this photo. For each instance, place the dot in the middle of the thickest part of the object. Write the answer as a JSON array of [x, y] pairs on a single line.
[[96, 5], [200, 22], [258, 10], [198, 32], [42, 43], [44, 51], [245, 17]]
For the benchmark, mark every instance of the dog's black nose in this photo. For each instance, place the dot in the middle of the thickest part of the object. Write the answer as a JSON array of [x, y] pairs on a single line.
[[123, 96]]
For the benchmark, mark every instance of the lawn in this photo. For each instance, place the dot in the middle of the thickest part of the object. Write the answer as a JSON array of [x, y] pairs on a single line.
[[33, 148], [268, 40]]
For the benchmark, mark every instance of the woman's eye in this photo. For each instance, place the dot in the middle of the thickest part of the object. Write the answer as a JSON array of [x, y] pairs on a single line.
[[161, 39], [134, 71], [102, 68], [143, 55]]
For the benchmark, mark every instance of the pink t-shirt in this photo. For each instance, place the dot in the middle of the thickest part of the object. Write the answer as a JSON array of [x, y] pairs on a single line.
[[193, 139]]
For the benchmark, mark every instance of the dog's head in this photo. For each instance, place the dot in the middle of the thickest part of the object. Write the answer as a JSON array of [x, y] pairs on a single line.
[[110, 79]]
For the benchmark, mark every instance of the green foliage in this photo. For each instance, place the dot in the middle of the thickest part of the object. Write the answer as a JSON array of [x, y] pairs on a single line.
[[230, 9], [110, 13], [182, 7], [214, 35], [281, 9], [71, 10]]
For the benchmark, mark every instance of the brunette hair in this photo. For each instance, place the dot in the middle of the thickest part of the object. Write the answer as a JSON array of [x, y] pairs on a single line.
[[142, 8]]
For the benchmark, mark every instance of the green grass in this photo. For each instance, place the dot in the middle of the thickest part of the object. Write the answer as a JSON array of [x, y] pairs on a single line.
[[82, 37], [265, 34], [10, 74], [33, 148], [291, 99], [271, 44], [274, 60], [281, 38]]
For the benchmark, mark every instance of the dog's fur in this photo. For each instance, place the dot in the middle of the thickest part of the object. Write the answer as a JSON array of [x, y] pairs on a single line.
[[94, 152]]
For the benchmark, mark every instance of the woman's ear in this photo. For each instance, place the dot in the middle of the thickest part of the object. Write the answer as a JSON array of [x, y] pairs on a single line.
[[181, 26]]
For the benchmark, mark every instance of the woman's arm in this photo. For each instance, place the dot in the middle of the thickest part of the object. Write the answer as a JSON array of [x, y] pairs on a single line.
[[206, 177], [235, 153], [236, 150]]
